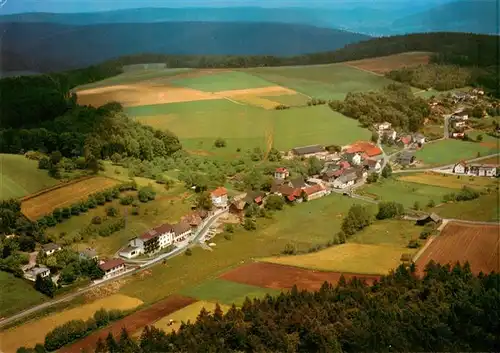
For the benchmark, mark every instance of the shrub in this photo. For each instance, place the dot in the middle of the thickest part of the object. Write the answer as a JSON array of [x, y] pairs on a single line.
[[389, 209], [111, 211], [413, 244], [188, 252], [249, 224], [146, 194], [126, 200], [275, 202], [431, 203], [372, 178], [229, 228], [220, 142], [96, 220], [135, 211], [228, 236], [75, 209], [290, 249]]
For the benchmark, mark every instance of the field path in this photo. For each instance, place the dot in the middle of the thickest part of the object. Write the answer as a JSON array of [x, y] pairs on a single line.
[[269, 141], [364, 70]]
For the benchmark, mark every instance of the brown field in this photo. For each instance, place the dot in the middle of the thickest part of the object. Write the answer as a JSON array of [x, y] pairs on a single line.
[[461, 242], [448, 181], [43, 204], [34, 332], [275, 276], [384, 64], [133, 322], [149, 94]]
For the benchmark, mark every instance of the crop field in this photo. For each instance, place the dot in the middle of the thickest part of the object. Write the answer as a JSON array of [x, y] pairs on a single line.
[[34, 332], [17, 294], [186, 314], [198, 124], [292, 100], [347, 258], [322, 81], [276, 276], [222, 81], [20, 176], [448, 181], [45, 203], [450, 151], [133, 322], [490, 160], [226, 292], [486, 208], [461, 242], [404, 192], [384, 64], [388, 232]]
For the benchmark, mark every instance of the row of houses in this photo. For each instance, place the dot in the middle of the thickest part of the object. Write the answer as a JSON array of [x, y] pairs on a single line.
[[475, 169], [386, 131]]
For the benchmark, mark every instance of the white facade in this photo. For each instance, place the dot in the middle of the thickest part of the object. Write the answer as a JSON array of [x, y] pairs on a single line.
[[166, 239], [115, 270], [459, 168], [130, 252], [356, 159], [486, 171], [340, 184], [219, 200], [182, 236], [32, 273], [384, 126]]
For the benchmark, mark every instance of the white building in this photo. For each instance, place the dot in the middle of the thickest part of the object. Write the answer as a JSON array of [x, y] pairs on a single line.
[[460, 168], [112, 267], [219, 197], [32, 273], [51, 248], [383, 126], [281, 173], [345, 181], [150, 242], [182, 232]]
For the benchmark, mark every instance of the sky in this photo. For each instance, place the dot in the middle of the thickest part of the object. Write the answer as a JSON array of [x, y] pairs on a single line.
[[68, 6]]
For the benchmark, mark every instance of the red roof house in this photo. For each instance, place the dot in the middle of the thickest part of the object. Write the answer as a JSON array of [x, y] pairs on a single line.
[[112, 264], [219, 192]]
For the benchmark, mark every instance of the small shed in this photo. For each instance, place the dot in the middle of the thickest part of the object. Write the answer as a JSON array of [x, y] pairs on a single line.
[[427, 219]]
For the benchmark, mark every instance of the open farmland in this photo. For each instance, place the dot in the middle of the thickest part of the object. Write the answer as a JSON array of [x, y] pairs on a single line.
[[64, 196], [34, 332], [226, 292], [222, 81], [462, 242], [17, 294], [448, 181], [186, 314], [133, 322], [486, 208], [384, 64], [349, 258], [321, 81], [276, 276], [450, 151], [20, 176]]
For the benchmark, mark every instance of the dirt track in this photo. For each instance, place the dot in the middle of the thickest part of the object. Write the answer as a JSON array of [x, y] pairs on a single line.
[[477, 244], [275, 276], [132, 322]]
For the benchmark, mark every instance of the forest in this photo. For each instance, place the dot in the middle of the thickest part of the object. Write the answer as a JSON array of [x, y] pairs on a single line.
[[449, 309], [395, 104]]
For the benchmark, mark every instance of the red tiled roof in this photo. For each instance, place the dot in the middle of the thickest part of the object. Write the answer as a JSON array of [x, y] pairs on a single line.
[[258, 199], [406, 140], [344, 164], [221, 191], [366, 147], [291, 198], [157, 231], [281, 170], [374, 151], [313, 189], [108, 265]]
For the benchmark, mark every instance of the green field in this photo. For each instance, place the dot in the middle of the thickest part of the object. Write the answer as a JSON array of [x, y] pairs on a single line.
[[452, 151], [404, 192], [222, 81], [17, 294], [226, 292], [388, 232], [20, 176], [270, 238], [292, 100], [198, 124], [485, 209], [134, 77], [321, 81]]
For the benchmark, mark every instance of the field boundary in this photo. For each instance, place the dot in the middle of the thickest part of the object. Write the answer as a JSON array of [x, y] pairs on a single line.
[[58, 186]]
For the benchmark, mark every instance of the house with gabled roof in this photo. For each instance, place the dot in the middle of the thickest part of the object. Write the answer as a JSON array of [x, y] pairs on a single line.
[[281, 173], [314, 192], [298, 183], [309, 151], [112, 267], [50, 248], [182, 231], [460, 168], [219, 197]]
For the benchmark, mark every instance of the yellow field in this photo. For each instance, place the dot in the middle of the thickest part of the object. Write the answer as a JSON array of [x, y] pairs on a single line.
[[34, 332], [189, 313], [257, 101], [349, 258], [448, 181]]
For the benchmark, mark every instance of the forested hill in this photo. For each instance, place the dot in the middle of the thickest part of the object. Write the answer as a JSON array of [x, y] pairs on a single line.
[[450, 310]]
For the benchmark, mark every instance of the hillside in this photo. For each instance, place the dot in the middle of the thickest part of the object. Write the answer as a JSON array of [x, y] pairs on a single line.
[[47, 46]]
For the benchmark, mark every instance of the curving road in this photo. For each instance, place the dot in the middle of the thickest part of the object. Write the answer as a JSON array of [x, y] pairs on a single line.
[[211, 220]]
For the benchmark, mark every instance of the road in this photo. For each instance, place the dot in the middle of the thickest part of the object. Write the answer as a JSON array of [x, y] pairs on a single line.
[[449, 166], [212, 219], [446, 132]]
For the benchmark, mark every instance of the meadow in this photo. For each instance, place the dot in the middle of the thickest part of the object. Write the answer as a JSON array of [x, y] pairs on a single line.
[[198, 124], [34, 332], [17, 294], [222, 81], [322, 81], [20, 176], [448, 181], [405, 193], [486, 208], [451, 151]]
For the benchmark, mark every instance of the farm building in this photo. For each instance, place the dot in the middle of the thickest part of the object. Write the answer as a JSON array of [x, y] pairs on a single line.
[[460, 168], [418, 138], [130, 252], [298, 183], [348, 178], [281, 173], [50, 248], [372, 165], [150, 242], [219, 197], [314, 192], [33, 272], [484, 170], [365, 148], [427, 219], [310, 151], [256, 197], [112, 267], [405, 158]]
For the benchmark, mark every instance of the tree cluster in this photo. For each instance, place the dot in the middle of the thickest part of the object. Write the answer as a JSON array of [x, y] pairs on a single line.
[[45, 285], [448, 310], [357, 218], [389, 209], [465, 194], [395, 104], [146, 194]]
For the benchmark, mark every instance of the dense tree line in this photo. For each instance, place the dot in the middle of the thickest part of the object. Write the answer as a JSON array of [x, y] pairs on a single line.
[[439, 77], [449, 309], [395, 104]]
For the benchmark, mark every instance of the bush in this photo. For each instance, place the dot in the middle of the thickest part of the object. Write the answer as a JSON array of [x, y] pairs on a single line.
[[188, 252], [111, 211], [413, 244], [75, 210], [135, 211], [126, 200], [96, 220], [372, 178], [249, 224], [229, 228], [431, 203], [146, 194], [282, 107], [389, 209], [290, 249], [220, 142], [275, 202], [228, 236]]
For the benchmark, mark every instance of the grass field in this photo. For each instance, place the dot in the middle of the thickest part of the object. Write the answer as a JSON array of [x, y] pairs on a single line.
[[388, 232], [269, 239], [322, 81], [34, 332], [292, 100], [222, 81], [226, 292], [404, 192], [20, 176], [17, 294], [187, 314], [486, 208], [198, 124], [448, 181], [383, 64], [451, 151]]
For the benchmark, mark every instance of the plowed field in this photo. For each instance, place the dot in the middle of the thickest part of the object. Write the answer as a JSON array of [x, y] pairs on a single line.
[[384, 64]]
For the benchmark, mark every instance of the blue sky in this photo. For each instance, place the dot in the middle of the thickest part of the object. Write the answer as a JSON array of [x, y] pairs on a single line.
[[17, 6]]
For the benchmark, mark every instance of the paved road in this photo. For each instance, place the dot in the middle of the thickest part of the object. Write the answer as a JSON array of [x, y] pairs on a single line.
[[144, 266], [446, 132]]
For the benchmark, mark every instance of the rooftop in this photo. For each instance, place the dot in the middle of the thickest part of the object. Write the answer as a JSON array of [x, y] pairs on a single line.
[[157, 231], [181, 228], [308, 149], [51, 246], [313, 189], [108, 265], [220, 191]]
